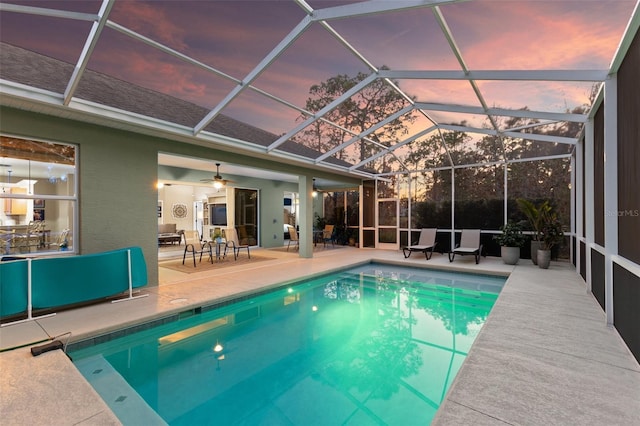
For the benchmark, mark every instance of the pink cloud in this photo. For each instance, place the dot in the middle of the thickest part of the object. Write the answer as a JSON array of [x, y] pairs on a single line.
[[138, 64], [149, 20], [213, 32], [538, 35], [440, 91], [235, 36], [262, 113]]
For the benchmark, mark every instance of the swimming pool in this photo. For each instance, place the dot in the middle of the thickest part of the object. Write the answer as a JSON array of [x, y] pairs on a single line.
[[376, 344]]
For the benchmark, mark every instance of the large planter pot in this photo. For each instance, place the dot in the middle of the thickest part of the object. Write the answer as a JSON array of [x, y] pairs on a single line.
[[510, 255], [544, 258], [535, 245]]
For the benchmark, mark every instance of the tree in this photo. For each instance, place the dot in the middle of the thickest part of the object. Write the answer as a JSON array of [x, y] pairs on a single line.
[[358, 113], [480, 189]]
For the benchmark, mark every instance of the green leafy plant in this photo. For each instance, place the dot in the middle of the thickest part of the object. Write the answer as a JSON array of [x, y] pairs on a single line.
[[320, 222], [551, 231], [534, 215], [217, 233], [341, 234], [511, 235]]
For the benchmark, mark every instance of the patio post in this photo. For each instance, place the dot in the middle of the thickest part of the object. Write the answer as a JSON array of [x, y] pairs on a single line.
[[610, 188]]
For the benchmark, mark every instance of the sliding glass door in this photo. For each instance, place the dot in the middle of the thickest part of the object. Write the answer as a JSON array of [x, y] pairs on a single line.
[[246, 215]]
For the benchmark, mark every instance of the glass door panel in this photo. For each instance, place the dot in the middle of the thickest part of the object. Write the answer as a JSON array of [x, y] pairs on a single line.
[[388, 224], [246, 215]]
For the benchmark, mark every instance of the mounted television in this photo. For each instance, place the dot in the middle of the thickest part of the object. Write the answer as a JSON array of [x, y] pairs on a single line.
[[218, 214]]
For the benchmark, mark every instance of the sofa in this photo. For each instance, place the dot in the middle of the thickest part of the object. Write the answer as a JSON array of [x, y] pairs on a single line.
[[167, 234]]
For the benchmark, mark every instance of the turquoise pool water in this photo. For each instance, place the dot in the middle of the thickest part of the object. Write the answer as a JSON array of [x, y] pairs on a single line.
[[372, 345]]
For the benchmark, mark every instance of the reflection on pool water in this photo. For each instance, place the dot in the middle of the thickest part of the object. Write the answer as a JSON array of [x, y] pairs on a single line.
[[376, 344]]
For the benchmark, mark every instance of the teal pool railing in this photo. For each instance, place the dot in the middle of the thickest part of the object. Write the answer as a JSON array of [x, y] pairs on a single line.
[[54, 282]]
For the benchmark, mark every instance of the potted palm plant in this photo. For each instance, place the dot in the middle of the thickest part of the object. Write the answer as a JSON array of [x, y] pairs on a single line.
[[534, 215], [551, 236], [511, 240]]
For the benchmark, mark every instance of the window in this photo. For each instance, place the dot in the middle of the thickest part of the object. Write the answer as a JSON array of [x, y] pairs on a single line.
[[38, 187]]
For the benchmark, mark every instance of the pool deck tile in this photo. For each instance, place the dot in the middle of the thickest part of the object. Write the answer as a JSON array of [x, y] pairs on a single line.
[[545, 355], [48, 390]]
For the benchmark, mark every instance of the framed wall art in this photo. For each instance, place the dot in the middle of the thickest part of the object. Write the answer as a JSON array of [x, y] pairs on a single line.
[[179, 210]]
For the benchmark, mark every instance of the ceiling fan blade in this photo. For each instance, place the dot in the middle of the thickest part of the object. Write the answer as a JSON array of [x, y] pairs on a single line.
[[217, 177]]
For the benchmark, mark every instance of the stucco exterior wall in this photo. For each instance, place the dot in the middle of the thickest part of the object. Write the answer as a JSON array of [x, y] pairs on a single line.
[[117, 175]]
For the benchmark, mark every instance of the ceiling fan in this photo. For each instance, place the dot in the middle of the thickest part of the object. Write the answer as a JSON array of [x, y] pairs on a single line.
[[218, 181]]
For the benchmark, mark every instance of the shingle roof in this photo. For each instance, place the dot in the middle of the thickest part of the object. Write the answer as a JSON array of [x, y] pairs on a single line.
[[36, 70]]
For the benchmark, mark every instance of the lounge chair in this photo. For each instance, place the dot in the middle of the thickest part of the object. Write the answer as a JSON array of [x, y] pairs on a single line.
[[293, 237], [469, 244], [426, 243], [233, 242]]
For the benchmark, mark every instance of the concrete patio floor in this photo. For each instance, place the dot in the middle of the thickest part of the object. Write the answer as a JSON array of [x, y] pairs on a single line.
[[544, 357]]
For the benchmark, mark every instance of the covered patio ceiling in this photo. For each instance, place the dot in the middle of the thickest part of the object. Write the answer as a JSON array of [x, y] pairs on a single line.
[[237, 74]]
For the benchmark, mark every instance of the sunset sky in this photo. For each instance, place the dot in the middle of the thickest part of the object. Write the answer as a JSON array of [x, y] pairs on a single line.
[[234, 36]]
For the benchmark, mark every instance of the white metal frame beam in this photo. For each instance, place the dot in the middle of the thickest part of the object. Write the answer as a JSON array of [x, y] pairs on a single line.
[[266, 61], [52, 13], [392, 148], [629, 33], [518, 113], [146, 40], [499, 75], [520, 135], [589, 197], [456, 50], [367, 132], [579, 204], [373, 7], [610, 188], [355, 89], [87, 50], [484, 164], [542, 138], [323, 17]]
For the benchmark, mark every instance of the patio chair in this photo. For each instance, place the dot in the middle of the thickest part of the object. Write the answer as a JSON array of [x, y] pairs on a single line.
[[62, 241], [31, 239], [327, 235], [426, 243], [234, 243], [293, 237], [7, 241], [469, 244], [193, 245]]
